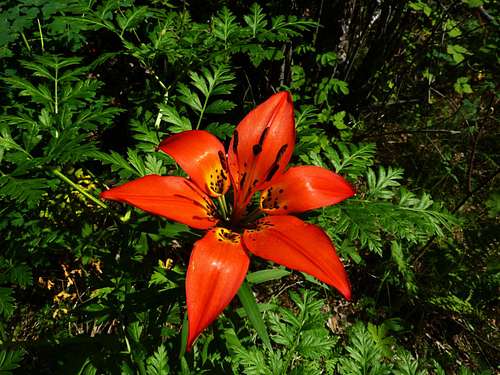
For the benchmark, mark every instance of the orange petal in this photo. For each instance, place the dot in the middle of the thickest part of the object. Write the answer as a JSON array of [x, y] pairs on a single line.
[[201, 155], [175, 198], [261, 147], [217, 267], [298, 245], [304, 188]]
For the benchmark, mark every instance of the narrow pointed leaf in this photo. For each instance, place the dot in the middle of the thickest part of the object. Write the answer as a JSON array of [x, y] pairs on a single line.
[[262, 276], [249, 303], [184, 335]]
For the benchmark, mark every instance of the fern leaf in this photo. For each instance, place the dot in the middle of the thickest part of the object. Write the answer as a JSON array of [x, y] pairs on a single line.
[[157, 364], [28, 190], [9, 360], [171, 116], [6, 303]]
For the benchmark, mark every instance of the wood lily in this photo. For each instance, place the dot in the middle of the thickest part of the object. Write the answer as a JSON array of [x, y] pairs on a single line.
[[255, 162]]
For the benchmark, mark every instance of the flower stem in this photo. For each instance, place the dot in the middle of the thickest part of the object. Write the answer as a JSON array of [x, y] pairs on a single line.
[[64, 178]]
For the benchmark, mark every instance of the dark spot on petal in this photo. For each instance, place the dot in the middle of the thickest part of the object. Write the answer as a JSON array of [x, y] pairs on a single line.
[[280, 153], [242, 181], [222, 159], [263, 136], [235, 141], [272, 172], [256, 149]]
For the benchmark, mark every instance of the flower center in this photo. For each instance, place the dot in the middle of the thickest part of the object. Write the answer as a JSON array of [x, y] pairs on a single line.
[[226, 235], [224, 211]]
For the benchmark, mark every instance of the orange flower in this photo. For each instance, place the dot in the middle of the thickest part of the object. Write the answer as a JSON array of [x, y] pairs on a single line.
[[258, 154]]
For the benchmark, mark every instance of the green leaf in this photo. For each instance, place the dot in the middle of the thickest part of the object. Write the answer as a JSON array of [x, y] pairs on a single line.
[[338, 120], [171, 116], [135, 330], [257, 20], [249, 303], [457, 52], [473, 3], [462, 86], [116, 160], [28, 190], [380, 186], [9, 360], [190, 98], [136, 162], [19, 274], [131, 18], [421, 6], [263, 276], [6, 302], [184, 336], [364, 355], [157, 364], [220, 106], [221, 131]]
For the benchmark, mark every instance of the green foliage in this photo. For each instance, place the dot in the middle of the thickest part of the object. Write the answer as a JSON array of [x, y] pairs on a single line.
[[6, 302], [65, 112], [157, 364], [9, 360], [302, 339], [365, 356], [210, 83], [397, 97]]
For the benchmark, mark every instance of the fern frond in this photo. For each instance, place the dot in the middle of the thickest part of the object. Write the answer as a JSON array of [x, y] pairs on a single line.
[[6, 303], [9, 360], [29, 190], [157, 364]]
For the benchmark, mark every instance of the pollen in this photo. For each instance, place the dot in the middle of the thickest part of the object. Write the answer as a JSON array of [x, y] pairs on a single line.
[[226, 235]]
